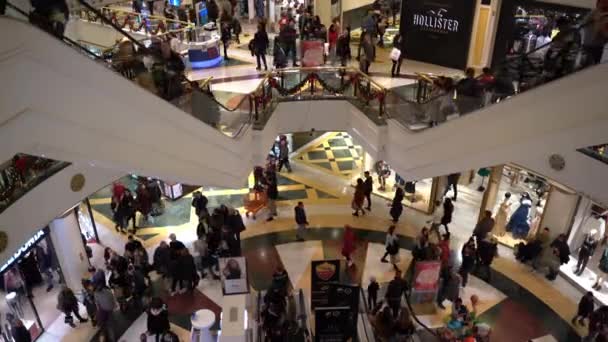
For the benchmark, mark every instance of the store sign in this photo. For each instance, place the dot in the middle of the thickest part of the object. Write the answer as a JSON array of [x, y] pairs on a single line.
[[31, 242], [324, 273], [437, 31]]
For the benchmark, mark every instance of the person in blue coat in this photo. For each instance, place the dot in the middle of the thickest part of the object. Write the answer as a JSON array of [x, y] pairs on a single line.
[[519, 224]]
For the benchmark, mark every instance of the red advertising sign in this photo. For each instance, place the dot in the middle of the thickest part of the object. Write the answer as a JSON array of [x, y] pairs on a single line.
[[426, 276], [312, 53]]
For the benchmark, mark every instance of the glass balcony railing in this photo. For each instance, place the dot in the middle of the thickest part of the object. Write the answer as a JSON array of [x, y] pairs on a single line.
[[23, 173], [599, 152]]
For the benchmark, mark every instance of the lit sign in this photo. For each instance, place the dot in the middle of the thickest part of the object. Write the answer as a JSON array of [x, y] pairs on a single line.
[[23, 249], [435, 21]]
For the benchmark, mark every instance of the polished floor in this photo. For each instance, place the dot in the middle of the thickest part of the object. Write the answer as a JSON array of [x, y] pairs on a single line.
[[519, 304]]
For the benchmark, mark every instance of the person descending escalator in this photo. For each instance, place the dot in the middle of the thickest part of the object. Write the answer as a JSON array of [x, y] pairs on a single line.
[[50, 15]]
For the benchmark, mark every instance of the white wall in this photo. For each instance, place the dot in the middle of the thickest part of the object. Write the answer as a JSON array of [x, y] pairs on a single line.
[[348, 5], [48, 200]]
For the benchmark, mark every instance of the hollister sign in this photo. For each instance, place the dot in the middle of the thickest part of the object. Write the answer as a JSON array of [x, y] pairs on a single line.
[[437, 31]]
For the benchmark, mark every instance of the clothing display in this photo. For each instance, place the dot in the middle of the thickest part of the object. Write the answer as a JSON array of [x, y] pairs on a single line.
[[603, 265], [502, 215], [535, 224], [586, 251], [519, 224]]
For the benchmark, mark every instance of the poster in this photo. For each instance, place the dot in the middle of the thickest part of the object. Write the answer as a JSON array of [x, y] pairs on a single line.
[[233, 273], [312, 53], [426, 276], [324, 273], [334, 324], [438, 31]]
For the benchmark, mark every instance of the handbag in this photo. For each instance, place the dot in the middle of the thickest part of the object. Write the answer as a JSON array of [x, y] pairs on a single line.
[[395, 54]]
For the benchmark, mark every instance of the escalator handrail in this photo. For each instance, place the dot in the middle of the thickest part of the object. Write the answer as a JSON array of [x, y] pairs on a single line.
[[109, 22]]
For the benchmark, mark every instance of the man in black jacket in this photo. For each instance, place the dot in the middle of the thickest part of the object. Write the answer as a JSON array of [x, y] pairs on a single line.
[[301, 220], [199, 202], [396, 288], [368, 186], [585, 309], [288, 36]]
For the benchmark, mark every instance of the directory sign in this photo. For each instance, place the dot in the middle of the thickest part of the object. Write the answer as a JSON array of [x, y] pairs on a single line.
[[334, 324]]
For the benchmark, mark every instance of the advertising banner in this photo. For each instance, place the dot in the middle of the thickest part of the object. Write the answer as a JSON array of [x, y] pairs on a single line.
[[426, 276], [334, 324], [233, 273], [324, 273], [438, 31], [312, 53]]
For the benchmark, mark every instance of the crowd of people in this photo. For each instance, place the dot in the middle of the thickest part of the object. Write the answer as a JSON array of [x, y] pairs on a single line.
[[147, 201]]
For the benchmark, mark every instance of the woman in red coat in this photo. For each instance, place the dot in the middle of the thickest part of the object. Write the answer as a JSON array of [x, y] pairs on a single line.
[[358, 198], [348, 244]]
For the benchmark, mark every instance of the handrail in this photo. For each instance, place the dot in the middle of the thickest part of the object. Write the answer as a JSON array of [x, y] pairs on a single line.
[[109, 22]]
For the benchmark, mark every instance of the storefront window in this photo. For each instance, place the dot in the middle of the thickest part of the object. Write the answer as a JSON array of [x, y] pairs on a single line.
[[519, 205], [29, 287], [527, 25], [587, 266]]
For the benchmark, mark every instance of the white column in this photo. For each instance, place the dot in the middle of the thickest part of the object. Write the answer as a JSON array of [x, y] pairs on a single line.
[[251, 10], [65, 234]]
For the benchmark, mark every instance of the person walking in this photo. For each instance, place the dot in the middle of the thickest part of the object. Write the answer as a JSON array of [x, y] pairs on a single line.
[[367, 55], [368, 188], [260, 45], [45, 264], [397, 44], [449, 288], [484, 226], [372, 293], [348, 245], [394, 291], [158, 319], [332, 40], [391, 245], [272, 193], [343, 48], [284, 154], [301, 221], [359, 198], [288, 36], [468, 262], [199, 202], [105, 302], [452, 183], [202, 254], [68, 304], [448, 210], [225, 38], [585, 309], [397, 205]]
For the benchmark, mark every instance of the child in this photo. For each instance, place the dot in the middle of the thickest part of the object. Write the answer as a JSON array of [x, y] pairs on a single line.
[[372, 293]]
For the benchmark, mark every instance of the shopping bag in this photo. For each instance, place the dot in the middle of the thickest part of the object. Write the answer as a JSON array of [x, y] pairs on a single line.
[[326, 49], [395, 54]]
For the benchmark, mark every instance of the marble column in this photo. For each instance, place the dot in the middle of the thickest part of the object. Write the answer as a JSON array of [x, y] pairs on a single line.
[[72, 257]]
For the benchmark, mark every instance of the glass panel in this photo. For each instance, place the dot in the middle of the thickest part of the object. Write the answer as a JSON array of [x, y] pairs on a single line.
[[23, 173], [18, 311], [599, 152]]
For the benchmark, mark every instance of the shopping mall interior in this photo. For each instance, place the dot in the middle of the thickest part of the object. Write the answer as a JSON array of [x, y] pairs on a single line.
[[303, 170]]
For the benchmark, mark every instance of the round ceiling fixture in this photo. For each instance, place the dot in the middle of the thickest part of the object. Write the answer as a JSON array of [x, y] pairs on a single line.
[[557, 162], [77, 182]]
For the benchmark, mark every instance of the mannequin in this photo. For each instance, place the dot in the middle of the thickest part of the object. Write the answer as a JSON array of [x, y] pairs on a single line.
[[519, 224], [586, 251], [603, 267], [502, 215], [535, 224]]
